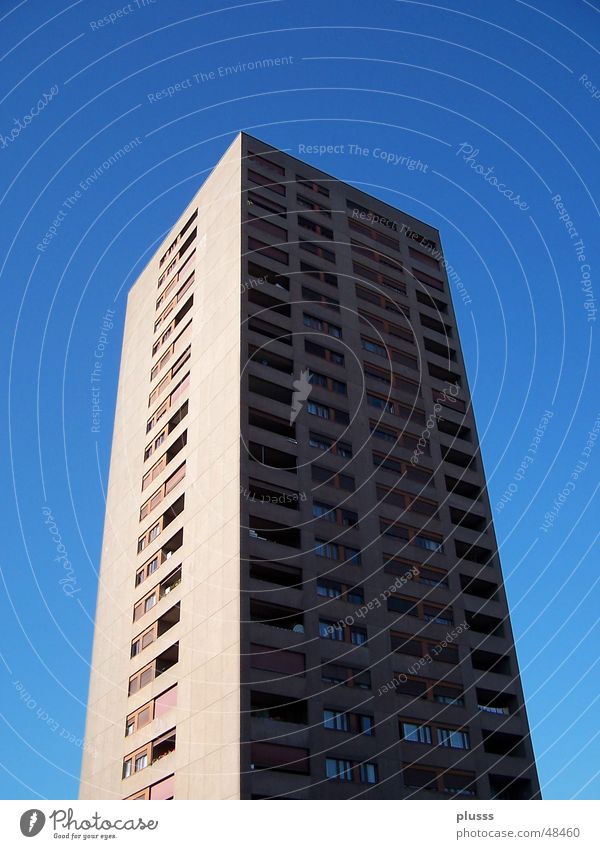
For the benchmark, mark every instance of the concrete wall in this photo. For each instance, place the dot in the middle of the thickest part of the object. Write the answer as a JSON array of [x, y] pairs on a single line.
[[206, 760]]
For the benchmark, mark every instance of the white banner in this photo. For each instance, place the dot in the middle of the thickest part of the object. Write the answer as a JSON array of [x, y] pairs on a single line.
[[290, 824]]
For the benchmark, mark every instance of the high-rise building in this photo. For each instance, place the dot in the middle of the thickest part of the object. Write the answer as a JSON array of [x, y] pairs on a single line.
[[300, 593]]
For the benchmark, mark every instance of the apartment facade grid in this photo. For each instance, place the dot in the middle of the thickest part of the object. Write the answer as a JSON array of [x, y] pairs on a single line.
[[300, 592]]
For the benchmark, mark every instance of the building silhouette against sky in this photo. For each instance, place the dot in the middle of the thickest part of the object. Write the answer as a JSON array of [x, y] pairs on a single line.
[[300, 594]]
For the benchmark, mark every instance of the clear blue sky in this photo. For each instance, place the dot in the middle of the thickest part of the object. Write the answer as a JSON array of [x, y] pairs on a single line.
[[408, 79]]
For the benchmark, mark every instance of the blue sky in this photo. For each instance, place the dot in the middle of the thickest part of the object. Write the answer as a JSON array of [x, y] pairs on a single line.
[[473, 91]]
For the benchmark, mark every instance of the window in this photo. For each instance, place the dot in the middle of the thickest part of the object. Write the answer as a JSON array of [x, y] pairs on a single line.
[[347, 676], [335, 515], [260, 180], [447, 694], [405, 470], [439, 780], [149, 753], [167, 517], [339, 769], [323, 511], [391, 434], [368, 773], [373, 347], [389, 353], [383, 325], [376, 256], [335, 479], [151, 710], [413, 733], [327, 443], [315, 323], [419, 647], [397, 287], [432, 577], [159, 591], [180, 253], [329, 383], [322, 326], [329, 550], [312, 185], [324, 353], [318, 274], [315, 227], [380, 403], [265, 250], [180, 387], [266, 163], [328, 588], [427, 279], [406, 501], [336, 720], [141, 762], [256, 202], [427, 542], [185, 287], [335, 551], [320, 298], [317, 249], [364, 214], [279, 233], [451, 739], [165, 553], [340, 632], [148, 673], [318, 410], [156, 498], [306, 203], [179, 236]]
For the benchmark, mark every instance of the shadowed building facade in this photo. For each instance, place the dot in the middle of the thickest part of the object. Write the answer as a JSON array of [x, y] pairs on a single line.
[[300, 593]]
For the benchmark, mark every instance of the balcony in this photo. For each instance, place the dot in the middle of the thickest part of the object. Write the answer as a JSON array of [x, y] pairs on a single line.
[[272, 458], [503, 744], [510, 787], [463, 488], [267, 531], [277, 616], [481, 623], [272, 391], [270, 706], [487, 661], [473, 553], [496, 703], [267, 493], [267, 358], [458, 431], [466, 519], [272, 424], [276, 573], [458, 458], [479, 588]]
